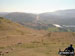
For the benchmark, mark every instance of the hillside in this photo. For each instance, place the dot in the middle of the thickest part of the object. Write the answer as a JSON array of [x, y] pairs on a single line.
[[44, 21], [2, 14], [10, 30], [16, 40], [61, 17], [21, 17], [9, 27]]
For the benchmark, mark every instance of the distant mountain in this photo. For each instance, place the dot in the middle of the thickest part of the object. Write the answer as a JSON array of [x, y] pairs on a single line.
[[43, 20], [2, 14], [69, 11], [59, 17], [21, 17]]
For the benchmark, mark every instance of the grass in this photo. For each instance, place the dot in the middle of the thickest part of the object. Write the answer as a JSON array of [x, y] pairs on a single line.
[[2, 47], [45, 48], [20, 41]]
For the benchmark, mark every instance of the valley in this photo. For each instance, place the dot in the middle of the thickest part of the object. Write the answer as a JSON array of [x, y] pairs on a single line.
[[44, 21]]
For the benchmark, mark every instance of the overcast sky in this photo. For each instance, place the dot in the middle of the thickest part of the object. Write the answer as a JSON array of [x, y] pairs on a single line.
[[35, 6]]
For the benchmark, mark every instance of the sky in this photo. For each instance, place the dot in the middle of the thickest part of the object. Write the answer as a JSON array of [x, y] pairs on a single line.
[[35, 6]]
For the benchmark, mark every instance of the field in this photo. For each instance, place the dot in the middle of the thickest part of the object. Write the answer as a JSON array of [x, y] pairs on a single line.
[[37, 43]]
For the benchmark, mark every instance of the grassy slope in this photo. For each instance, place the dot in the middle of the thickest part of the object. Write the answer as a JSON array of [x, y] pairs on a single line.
[[20, 41]]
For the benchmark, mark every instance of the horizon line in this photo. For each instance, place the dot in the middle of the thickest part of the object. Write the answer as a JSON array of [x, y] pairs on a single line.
[[33, 12]]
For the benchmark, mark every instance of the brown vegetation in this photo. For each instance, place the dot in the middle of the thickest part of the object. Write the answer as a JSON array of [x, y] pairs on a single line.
[[16, 40]]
